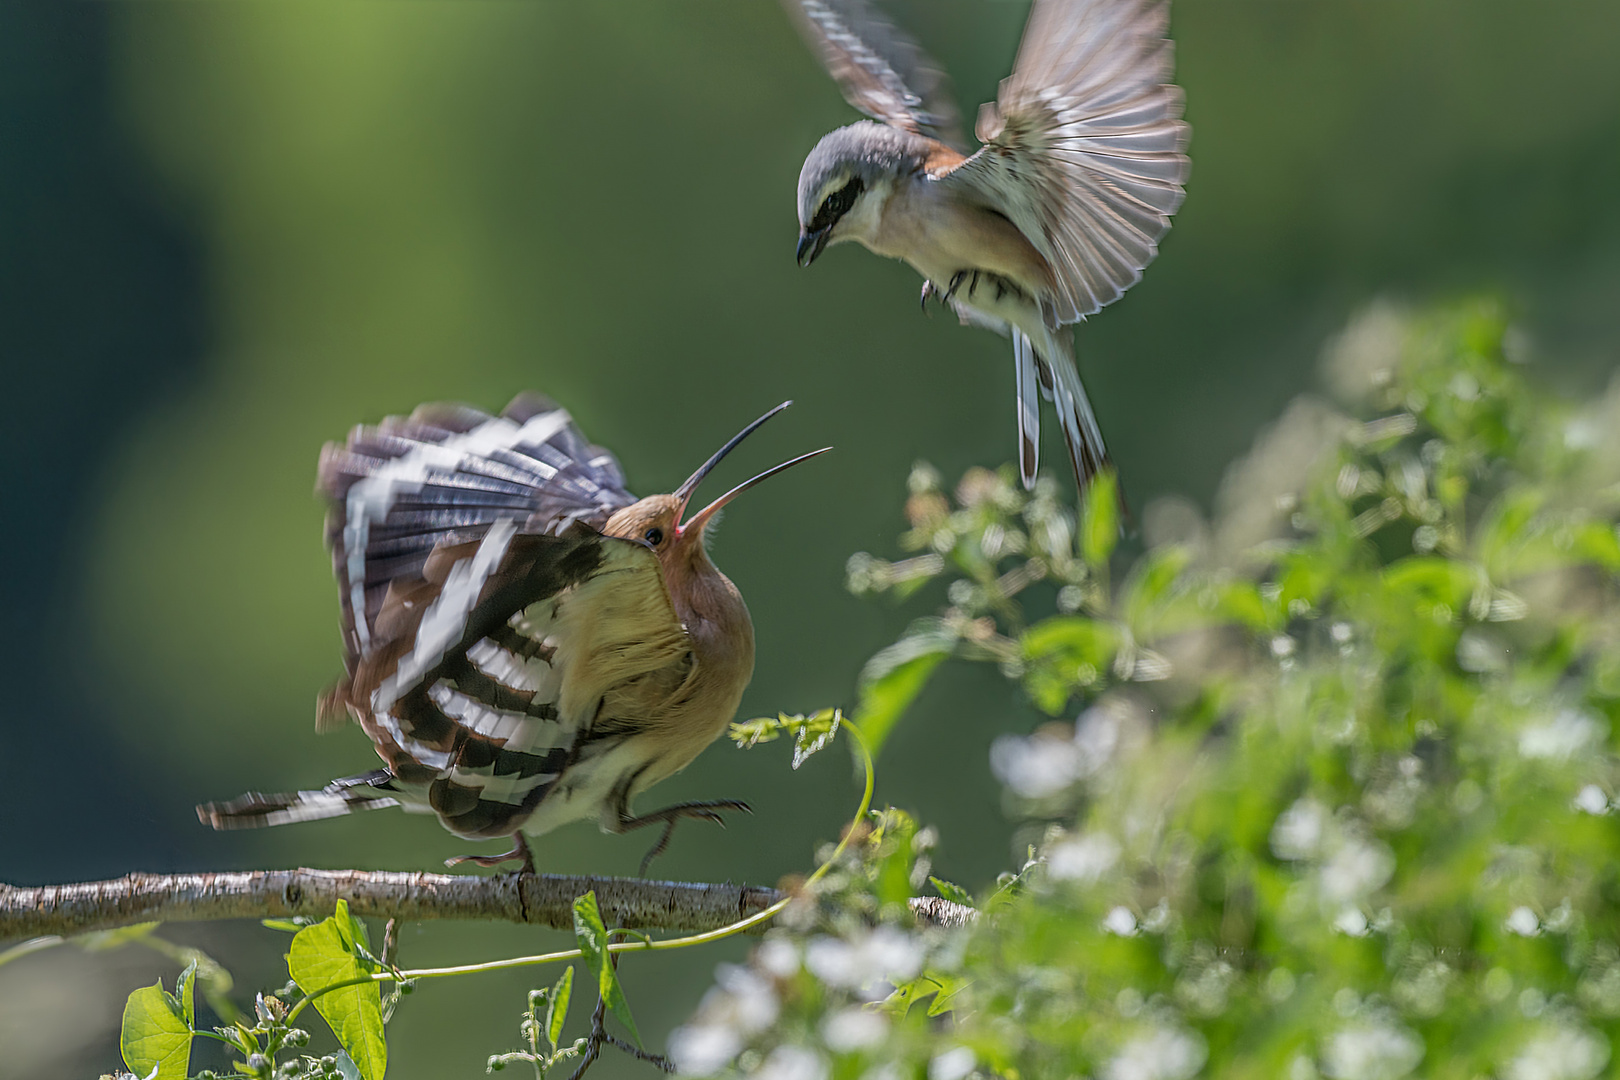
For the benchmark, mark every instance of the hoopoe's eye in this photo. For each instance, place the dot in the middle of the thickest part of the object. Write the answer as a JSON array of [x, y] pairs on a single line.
[[653, 536]]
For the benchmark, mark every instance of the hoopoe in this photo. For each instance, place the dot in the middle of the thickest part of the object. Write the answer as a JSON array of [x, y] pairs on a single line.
[[526, 643]]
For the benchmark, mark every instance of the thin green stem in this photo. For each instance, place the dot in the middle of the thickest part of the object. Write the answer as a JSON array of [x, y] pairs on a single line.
[[634, 946], [32, 945]]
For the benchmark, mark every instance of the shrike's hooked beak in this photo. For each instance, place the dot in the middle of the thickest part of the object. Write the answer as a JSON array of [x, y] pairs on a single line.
[[811, 244], [684, 492]]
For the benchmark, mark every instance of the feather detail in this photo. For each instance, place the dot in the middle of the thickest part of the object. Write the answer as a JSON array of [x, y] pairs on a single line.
[[1085, 148]]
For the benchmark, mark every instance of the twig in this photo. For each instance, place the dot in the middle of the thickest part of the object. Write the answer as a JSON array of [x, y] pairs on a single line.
[[535, 899]]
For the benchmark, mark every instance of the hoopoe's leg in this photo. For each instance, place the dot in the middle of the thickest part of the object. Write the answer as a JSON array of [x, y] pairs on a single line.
[[520, 850], [708, 810]]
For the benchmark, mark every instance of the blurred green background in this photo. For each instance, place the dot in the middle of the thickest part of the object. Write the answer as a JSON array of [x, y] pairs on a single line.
[[230, 231]]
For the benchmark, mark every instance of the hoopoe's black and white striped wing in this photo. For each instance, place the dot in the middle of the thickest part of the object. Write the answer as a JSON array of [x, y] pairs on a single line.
[[445, 475], [487, 681]]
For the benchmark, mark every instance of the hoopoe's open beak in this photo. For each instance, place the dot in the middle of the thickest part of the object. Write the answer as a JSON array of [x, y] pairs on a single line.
[[812, 242], [701, 518], [684, 492]]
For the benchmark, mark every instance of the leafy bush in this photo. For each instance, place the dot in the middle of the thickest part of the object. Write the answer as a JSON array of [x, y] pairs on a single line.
[[1338, 796]]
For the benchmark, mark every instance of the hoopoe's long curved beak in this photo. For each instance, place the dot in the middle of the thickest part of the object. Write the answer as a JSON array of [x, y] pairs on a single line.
[[700, 519], [684, 492]]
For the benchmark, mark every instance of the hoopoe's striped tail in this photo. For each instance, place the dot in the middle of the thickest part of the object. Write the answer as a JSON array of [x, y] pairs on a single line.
[[255, 810]]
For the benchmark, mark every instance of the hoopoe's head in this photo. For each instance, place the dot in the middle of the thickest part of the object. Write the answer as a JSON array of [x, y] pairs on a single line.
[[657, 520]]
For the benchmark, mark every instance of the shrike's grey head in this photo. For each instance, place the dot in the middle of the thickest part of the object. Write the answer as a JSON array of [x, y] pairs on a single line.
[[846, 180]]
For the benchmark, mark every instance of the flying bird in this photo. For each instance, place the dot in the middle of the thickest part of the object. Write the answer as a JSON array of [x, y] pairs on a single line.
[[1082, 164], [526, 643]]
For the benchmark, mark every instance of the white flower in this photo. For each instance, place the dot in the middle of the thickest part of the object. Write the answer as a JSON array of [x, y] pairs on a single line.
[[1164, 1053], [778, 957], [1120, 921], [1522, 921], [952, 1064], [886, 1071], [1035, 767], [1299, 830], [834, 961], [1372, 1052], [1562, 737], [1082, 858], [1356, 868], [702, 1049], [791, 1063], [1560, 1053], [853, 1029], [1592, 800], [1096, 736], [885, 955], [1351, 921]]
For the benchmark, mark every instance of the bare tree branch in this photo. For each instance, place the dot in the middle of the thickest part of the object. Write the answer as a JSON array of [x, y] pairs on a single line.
[[535, 899]]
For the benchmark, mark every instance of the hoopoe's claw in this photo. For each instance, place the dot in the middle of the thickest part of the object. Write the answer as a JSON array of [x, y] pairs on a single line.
[[708, 810], [520, 851], [928, 293]]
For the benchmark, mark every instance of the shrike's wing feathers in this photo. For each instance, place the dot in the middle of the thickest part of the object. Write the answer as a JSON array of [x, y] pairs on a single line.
[[1085, 148], [444, 475], [882, 72]]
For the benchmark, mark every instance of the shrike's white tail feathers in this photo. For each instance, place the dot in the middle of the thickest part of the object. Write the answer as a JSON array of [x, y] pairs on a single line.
[[369, 791], [1029, 410], [1060, 384]]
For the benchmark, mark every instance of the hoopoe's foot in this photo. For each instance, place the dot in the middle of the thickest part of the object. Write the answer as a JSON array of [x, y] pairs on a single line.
[[520, 851], [955, 283], [708, 810]]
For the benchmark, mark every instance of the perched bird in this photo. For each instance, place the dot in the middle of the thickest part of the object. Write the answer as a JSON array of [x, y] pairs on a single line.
[[526, 643], [1054, 217]]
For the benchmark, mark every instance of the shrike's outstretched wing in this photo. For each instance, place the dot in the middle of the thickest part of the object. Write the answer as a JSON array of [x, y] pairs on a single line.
[[1085, 148], [882, 72]]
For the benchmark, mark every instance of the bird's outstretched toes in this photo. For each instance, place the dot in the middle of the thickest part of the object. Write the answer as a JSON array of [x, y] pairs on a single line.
[[520, 851], [707, 810]]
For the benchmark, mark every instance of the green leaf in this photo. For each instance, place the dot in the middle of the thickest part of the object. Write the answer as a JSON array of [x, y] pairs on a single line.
[[557, 1006], [1099, 520], [750, 733], [593, 942], [1063, 654], [188, 1008], [892, 679], [333, 952], [1152, 584], [347, 1068], [156, 1036], [291, 926], [950, 891], [892, 847], [949, 987], [813, 733]]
